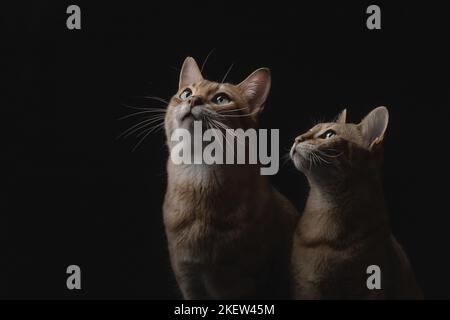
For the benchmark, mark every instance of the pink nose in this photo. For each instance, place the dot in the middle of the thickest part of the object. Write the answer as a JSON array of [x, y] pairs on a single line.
[[195, 101], [299, 139]]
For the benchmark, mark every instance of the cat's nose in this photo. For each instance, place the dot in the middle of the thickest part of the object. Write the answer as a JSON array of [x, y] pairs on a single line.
[[195, 101], [299, 139]]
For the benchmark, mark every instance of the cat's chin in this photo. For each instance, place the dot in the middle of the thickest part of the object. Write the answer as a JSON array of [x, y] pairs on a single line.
[[298, 162], [186, 122], [297, 159]]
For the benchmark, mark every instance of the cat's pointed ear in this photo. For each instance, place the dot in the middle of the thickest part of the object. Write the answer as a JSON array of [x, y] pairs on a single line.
[[374, 125], [255, 89], [190, 73], [342, 117]]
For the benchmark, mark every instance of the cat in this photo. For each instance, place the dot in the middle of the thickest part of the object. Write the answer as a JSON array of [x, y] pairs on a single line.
[[229, 231], [344, 228]]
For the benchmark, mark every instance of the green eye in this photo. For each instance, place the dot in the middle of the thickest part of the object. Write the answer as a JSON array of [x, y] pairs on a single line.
[[221, 98], [327, 134], [186, 94]]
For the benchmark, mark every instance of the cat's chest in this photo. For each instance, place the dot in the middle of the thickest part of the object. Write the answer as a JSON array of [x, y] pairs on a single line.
[[320, 262], [201, 243], [318, 268], [330, 273], [202, 213], [202, 229]]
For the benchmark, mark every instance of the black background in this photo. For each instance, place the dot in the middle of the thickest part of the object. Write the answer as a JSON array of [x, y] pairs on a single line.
[[74, 194]]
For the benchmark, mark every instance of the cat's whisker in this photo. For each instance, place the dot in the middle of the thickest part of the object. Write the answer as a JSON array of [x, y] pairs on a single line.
[[138, 126], [206, 59], [158, 125], [135, 108], [330, 149], [153, 110], [213, 126], [209, 113], [334, 155], [285, 159], [144, 127], [219, 125], [225, 127], [146, 135], [321, 158], [314, 159], [323, 153], [287, 154], [310, 160], [131, 128], [226, 74], [318, 159], [233, 110], [240, 115], [222, 125], [157, 99]]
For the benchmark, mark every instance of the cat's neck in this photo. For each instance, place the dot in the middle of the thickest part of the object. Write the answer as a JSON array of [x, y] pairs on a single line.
[[201, 176], [216, 183], [344, 210], [218, 195]]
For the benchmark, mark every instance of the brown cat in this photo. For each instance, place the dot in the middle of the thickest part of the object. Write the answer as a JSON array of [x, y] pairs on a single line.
[[229, 231], [344, 228]]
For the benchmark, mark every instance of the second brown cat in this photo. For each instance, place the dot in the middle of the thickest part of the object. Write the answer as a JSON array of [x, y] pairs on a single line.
[[345, 228]]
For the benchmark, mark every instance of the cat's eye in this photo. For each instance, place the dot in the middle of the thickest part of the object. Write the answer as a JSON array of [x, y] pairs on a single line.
[[327, 134], [221, 98], [186, 94]]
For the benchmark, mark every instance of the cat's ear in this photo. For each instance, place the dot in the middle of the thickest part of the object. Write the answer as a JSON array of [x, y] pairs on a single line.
[[342, 117], [255, 89], [190, 73], [374, 125]]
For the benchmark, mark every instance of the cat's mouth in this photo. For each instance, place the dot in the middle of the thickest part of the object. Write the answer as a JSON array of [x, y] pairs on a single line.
[[296, 157], [299, 150], [301, 155], [191, 114], [187, 116]]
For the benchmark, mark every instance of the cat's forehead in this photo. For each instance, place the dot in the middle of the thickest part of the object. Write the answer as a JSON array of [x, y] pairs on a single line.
[[349, 131], [343, 127], [322, 126], [207, 86]]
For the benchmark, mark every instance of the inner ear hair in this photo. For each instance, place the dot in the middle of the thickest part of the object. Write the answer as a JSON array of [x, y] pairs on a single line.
[[190, 73], [255, 89], [342, 117], [374, 125]]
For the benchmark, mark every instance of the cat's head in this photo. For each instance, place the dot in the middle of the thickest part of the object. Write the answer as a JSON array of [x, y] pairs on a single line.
[[217, 105], [337, 149]]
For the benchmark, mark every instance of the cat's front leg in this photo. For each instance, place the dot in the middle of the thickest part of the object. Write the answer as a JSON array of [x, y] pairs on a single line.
[[190, 281]]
